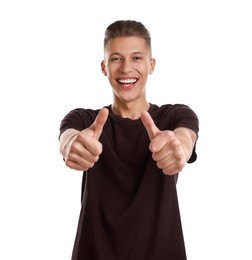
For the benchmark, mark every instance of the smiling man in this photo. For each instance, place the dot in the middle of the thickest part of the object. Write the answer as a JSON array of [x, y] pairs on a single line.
[[128, 63], [130, 153]]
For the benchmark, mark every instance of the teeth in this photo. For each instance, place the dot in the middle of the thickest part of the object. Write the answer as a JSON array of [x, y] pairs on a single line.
[[127, 81]]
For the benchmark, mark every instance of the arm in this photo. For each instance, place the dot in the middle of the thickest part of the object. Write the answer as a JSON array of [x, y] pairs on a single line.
[[170, 149], [187, 139], [81, 149]]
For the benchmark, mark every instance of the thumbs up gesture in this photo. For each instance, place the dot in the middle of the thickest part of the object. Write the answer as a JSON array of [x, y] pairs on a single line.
[[166, 148], [81, 149]]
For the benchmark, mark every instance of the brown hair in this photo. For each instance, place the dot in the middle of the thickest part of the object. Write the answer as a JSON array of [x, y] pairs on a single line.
[[122, 28]]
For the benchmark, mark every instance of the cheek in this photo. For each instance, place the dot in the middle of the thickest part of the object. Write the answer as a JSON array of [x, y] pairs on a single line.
[[145, 69], [112, 71]]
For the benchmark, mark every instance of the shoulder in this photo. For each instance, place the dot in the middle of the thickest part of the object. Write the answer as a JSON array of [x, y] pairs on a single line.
[[171, 109], [171, 116], [81, 114], [78, 118]]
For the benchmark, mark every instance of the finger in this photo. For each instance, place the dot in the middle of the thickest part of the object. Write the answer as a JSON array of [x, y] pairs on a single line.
[[149, 125], [99, 122]]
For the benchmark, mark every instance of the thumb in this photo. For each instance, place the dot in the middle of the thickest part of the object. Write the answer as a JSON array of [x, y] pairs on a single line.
[[149, 125], [99, 122]]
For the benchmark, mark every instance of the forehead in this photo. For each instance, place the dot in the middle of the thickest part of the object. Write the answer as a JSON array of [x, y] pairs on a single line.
[[126, 45]]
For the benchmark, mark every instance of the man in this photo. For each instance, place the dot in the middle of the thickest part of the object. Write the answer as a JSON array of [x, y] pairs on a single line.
[[130, 153]]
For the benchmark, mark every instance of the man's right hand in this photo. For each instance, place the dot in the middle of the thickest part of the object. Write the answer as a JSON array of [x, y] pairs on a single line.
[[81, 149]]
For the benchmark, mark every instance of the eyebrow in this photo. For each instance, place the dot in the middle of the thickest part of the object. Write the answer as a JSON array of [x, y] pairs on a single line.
[[134, 53]]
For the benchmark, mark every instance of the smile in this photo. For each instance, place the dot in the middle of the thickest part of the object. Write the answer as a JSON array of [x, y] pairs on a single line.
[[127, 81]]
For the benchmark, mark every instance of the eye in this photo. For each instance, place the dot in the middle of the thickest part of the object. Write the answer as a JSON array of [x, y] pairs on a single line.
[[115, 59], [137, 58]]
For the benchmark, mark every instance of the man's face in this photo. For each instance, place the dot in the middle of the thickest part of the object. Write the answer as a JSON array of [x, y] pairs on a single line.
[[127, 63]]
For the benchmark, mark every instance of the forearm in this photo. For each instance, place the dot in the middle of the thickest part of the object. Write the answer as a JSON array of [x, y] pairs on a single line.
[[187, 139], [66, 139]]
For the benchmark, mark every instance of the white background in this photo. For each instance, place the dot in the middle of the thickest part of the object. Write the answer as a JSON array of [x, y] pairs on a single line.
[[50, 54]]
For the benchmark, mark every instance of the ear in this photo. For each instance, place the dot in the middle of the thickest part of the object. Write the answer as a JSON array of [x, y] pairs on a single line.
[[103, 68], [152, 65]]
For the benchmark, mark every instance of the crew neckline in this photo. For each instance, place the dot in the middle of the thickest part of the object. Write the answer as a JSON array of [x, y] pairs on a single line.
[[127, 119]]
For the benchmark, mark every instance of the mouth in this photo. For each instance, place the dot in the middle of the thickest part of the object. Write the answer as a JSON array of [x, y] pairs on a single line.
[[127, 83]]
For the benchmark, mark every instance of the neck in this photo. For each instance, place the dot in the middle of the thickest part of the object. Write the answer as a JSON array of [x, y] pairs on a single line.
[[129, 110]]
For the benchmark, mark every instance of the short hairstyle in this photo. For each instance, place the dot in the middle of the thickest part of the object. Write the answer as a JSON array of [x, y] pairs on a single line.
[[127, 28]]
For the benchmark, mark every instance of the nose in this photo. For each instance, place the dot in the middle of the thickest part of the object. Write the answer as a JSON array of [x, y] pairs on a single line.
[[126, 66]]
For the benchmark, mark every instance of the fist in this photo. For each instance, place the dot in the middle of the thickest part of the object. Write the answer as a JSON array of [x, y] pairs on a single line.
[[85, 148], [165, 147]]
